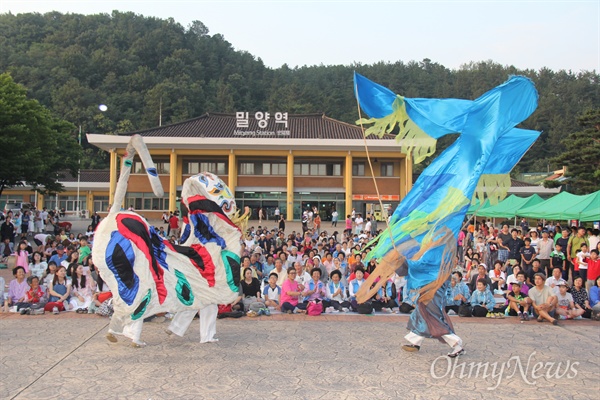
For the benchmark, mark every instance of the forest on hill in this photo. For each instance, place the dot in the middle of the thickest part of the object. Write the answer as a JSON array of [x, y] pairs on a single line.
[[142, 66]]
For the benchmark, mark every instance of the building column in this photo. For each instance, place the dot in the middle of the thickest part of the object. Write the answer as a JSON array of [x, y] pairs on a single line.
[[232, 173], [113, 177], [348, 185], [173, 181], [290, 187], [409, 172], [90, 202]]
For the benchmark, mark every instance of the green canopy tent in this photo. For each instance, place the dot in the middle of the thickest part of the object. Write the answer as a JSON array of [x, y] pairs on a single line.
[[475, 209], [509, 206], [588, 209], [563, 206]]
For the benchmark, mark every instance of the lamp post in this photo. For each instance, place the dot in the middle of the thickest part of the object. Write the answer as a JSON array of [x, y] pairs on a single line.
[[79, 177], [103, 108]]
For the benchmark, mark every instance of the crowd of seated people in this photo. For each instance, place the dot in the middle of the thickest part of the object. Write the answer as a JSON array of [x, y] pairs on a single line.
[[543, 274]]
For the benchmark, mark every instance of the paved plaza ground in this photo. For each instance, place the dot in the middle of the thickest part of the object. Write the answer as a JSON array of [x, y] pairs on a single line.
[[295, 357], [66, 356]]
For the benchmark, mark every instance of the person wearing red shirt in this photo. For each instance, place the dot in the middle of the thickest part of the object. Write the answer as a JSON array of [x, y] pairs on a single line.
[[174, 224], [593, 272]]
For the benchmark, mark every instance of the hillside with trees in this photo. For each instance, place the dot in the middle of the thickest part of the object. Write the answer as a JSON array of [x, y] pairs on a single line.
[[145, 68]]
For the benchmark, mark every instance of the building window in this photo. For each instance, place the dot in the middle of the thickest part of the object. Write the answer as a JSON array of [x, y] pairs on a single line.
[[163, 166], [358, 169], [100, 203], [387, 169], [278, 169], [246, 168], [196, 167], [146, 201], [317, 169], [263, 168]]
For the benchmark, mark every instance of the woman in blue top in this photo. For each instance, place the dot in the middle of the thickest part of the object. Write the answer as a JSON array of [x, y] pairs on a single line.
[[59, 291], [482, 300]]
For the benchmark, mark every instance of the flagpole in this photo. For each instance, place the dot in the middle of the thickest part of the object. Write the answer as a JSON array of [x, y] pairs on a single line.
[[79, 176]]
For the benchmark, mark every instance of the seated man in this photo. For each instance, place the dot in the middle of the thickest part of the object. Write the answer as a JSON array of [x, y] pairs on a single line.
[[543, 300], [555, 280], [518, 305]]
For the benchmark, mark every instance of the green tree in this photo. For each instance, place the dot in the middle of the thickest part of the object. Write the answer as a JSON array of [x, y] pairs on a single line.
[[582, 155], [34, 145]]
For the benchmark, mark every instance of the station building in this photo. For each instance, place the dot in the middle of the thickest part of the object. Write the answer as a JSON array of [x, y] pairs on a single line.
[[290, 162]]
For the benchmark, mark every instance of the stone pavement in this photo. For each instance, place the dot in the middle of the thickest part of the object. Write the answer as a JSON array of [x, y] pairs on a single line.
[[294, 357]]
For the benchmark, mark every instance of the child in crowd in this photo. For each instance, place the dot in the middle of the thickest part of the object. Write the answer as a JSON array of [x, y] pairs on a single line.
[[518, 304], [23, 256], [566, 308], [272, 292], [558, 259]]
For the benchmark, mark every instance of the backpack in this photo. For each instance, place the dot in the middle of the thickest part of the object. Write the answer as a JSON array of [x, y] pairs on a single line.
[[365, 308], [314, 308], [465, 310], [106, 308]]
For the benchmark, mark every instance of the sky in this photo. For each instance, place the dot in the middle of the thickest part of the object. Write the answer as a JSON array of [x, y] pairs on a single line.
[[528, 34]]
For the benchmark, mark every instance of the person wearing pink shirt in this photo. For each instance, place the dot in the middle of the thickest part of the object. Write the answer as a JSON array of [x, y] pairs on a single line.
[[291, 291]]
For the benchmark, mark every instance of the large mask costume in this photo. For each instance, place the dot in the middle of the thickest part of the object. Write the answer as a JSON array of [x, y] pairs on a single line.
[[149, 275], [421, 239]]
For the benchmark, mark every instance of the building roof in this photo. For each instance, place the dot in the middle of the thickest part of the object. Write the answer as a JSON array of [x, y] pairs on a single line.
[[87, 175], [221, 125], [526, 188]]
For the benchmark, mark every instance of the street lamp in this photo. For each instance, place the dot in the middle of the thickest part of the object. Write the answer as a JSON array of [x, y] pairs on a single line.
[[103, 108]]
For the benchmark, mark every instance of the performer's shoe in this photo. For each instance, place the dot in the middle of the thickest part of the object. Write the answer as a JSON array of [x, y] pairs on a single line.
[[138, 345], [168, 331], [411, 348], [456, 351], [111, 338]]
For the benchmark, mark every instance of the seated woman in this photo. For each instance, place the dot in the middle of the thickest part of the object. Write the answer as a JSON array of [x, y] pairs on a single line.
[[513, 277], [314, 289], [354, 285], [49, 248], [72, 259], [336, 293], [386, 299], [37, 267], [580, 297], [34, 299], [59, 292], [290, 292], [17, 288], [48, 276], [497, 276], [82, 290], [251, 292], [482, 300], [459, 293]]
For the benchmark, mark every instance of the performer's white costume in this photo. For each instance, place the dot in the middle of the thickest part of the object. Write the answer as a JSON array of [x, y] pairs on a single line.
[[148, 275]]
